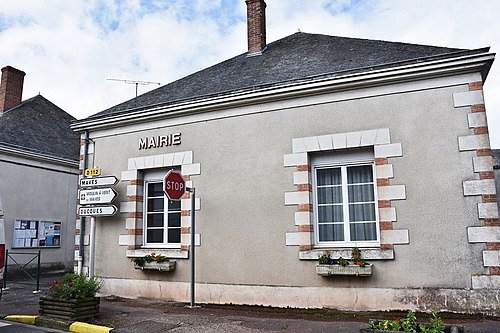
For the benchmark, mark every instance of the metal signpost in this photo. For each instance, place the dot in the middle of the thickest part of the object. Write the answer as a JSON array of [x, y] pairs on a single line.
[[92, 197], [174, 187]]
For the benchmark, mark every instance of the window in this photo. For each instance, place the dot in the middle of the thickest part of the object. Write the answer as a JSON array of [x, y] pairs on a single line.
[[162, 217], [345, 203]]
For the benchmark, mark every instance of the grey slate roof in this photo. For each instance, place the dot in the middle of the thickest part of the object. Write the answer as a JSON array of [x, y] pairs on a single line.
[[39, 126], [300, 56]]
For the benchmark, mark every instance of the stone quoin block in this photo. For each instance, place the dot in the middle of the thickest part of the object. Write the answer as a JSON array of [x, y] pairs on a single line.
[[477, 119], [486, 282], [86, 240], [124, 240], [394, 237], [130, 207], [295, 159], [300, 177], [129, 175], [191, 169], [483, 163], [479, 186], [468, 98], [134, 190], [392, 192], [483, 234], [186, 204], [388, 150], [131, 223], [298, 238], [473, 142], [186, 239], [186, 221], [387, 214], [384, 171], [487, 210], [491, 258], [302, 218], [297, 198]]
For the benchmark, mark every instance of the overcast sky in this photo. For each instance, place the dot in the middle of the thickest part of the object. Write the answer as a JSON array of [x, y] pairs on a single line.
[[70, 49]]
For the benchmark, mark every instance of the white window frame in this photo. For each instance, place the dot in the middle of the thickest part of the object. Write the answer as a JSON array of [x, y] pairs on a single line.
[[343, 160], [157, 177]]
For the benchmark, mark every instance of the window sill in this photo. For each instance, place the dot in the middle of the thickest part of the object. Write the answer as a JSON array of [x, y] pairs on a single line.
[[368, 254], [169, 253]]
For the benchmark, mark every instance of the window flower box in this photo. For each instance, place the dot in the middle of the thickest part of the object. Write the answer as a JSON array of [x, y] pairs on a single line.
[[355, 266], [355, 270], [164, 266]]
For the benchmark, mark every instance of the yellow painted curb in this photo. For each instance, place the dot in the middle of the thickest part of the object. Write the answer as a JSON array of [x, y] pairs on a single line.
[[26, 319], [79, 327]]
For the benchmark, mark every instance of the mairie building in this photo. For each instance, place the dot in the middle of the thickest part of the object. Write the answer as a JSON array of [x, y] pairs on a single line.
[[305, 146]]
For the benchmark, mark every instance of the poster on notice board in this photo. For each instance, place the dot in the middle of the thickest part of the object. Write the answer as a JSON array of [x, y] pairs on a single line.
[[36, 233]]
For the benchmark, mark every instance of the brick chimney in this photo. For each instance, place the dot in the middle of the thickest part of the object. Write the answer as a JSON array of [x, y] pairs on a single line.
[[11, 88], [256, 25]]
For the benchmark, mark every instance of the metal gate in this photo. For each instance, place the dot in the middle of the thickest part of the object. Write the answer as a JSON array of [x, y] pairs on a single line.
[[28, 277]]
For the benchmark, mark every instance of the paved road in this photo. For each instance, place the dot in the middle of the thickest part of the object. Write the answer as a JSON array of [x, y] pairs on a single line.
[[10, 327]]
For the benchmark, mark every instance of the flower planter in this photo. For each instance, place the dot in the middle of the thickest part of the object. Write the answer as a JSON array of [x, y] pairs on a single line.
[[355, 270], [165, 266], [69, 310]]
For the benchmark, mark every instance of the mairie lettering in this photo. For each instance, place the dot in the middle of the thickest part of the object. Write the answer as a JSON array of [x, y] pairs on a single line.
[[160, 141]]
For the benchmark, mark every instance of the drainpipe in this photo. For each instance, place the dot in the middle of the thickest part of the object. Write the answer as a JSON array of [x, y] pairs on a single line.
[[82, 219]]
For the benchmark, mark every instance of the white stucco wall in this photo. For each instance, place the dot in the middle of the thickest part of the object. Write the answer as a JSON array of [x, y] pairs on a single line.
[[35, 190], [243, 219]]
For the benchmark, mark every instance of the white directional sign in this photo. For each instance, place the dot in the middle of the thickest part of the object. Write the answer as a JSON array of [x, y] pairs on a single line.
[[97, 210], [97, 196], [98, 181]]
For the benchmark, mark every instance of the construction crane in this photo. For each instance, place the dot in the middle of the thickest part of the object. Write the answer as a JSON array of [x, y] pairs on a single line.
[[137, 83]]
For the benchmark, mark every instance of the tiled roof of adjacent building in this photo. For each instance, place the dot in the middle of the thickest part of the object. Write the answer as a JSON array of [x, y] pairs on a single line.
[[301, 56], [39, 126]]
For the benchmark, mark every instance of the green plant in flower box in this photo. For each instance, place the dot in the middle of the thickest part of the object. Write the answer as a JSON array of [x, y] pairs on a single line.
[[75, 286], [153, 257]]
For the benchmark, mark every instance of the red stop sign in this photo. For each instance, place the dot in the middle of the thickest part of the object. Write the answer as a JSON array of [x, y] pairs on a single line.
[[174, 185]]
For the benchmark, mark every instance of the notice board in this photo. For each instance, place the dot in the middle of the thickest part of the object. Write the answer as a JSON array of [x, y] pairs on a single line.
[[36, 233]]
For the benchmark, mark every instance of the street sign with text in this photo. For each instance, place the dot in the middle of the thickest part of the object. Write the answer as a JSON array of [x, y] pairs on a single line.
[[98, 181], [97, 196], [109, 210]]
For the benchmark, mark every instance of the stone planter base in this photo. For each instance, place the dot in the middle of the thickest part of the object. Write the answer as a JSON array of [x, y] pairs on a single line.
[[69, 310], [355, 270], [165, 266]]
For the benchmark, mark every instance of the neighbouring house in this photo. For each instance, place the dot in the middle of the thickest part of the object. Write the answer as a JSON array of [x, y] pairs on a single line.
[[39, 161], [306, 144]]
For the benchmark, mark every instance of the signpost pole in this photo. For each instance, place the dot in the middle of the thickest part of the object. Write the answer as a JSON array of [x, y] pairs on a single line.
[[192, 251], [92, 247]]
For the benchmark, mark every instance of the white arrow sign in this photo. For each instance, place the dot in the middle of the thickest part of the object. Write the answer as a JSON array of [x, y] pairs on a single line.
[[97, 211], [97, 196], [98, 181]]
